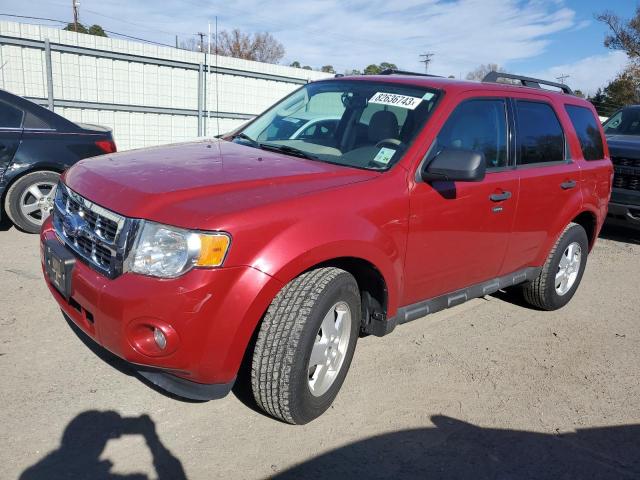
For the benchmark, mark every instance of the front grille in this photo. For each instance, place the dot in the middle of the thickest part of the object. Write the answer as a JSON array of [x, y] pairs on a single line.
[[627, 173], [102, 226], [97, 235]]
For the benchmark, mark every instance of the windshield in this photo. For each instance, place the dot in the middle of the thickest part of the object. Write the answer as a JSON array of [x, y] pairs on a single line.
[[353, 123], [624, 122]]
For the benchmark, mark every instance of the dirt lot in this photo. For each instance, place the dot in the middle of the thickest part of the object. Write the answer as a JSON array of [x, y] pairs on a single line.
[[490, 389]]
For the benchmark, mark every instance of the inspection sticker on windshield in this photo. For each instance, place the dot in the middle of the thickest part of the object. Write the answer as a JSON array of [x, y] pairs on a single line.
[[403, 101], [384, 156]]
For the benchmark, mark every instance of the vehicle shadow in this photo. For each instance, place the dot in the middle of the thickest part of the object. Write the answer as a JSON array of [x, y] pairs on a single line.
[[620, 234], [458, 450], [86, 437]]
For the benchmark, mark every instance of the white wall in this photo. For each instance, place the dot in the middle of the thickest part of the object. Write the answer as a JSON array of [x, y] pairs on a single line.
[[103, 80]]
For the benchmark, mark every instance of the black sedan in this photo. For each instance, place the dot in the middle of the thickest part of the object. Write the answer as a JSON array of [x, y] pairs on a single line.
[[36, 145]]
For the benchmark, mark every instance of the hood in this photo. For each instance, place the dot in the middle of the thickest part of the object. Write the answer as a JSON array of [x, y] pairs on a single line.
[[624, 145], [188, 184]]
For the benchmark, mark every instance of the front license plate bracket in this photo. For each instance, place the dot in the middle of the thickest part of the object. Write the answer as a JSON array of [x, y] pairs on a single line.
[[59, 263]]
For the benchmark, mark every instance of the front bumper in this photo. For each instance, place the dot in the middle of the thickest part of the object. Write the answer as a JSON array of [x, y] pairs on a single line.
[[212, 314]]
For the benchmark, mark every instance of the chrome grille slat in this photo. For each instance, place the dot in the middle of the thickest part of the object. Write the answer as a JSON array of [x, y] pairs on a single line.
[[101, 240]]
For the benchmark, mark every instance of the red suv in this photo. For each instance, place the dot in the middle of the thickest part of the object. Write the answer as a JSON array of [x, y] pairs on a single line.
[[277, 253]]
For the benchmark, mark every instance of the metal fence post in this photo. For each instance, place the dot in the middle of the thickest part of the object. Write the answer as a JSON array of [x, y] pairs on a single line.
[[200, 100], [47, 58]]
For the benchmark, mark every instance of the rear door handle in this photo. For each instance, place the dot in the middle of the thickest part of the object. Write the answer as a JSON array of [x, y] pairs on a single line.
[[568, 184], [499, 197]]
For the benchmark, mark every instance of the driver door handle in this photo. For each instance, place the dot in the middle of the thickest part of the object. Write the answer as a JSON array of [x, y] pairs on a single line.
[[568, 184], [499, 197]]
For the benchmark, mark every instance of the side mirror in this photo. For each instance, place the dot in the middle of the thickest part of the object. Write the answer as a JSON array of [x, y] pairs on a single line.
[[456, 165]]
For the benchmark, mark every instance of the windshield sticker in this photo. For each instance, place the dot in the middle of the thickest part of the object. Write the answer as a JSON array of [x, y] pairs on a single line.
[[396, 100], [384, 156], [428, 96]]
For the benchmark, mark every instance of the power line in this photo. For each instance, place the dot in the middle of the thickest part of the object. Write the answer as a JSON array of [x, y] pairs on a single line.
[[107, 31], [561, 78]]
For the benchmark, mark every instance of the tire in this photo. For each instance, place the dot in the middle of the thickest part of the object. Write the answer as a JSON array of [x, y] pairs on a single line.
[[545, 292], [284, 382], [20, 200]]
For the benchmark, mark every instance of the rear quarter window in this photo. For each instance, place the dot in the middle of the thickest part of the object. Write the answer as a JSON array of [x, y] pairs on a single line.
[[586, 127], [34, 122]]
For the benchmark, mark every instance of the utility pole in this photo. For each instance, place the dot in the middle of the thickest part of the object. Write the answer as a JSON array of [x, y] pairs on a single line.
[[75, 4], [562, 78], [201, 35], [426, 59]]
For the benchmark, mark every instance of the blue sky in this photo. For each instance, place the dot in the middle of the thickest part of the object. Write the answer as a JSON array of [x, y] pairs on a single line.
[[536, 37]]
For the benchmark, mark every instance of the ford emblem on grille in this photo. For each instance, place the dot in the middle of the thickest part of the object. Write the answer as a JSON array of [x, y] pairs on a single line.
[[73, 224]]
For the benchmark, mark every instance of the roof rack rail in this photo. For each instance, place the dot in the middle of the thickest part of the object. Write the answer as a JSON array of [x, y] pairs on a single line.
[[493, 77], [393, 71]]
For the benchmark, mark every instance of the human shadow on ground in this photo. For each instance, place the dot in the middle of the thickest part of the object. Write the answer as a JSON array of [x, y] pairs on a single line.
[[457, 450], [86, 437]]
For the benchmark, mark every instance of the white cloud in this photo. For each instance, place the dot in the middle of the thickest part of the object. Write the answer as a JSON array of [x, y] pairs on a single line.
[[354, 33], [461, 33], [590, 73]]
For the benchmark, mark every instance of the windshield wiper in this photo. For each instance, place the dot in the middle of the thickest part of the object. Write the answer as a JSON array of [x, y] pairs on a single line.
[[288, 150], [246, 137], [273, 147]]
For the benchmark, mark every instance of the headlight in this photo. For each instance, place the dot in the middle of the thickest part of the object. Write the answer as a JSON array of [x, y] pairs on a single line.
[[168, 252]]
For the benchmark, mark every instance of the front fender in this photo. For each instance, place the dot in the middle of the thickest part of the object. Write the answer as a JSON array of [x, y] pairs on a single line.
[[291, 253], [366, 220]]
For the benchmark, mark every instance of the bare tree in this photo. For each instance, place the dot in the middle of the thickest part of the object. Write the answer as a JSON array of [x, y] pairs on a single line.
[[266, 48], [260, 47], [482, 70], [624, 34]]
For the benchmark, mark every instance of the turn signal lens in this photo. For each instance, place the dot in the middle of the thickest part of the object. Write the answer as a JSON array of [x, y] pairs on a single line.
[[213, 249]]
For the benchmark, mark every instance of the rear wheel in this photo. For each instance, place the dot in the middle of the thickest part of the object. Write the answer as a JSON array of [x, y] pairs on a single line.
[[562, 272], [305, 345], [30, 199]]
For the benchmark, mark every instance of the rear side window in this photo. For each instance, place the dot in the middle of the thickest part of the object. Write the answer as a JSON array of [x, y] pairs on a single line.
[[539, 137], [10, 116], [479, 125], [588, 132]]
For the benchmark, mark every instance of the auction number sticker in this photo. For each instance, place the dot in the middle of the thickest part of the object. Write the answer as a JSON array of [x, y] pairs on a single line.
[[403, 101]]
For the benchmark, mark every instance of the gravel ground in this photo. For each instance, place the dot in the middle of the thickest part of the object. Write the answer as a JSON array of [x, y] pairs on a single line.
[[490, 389]]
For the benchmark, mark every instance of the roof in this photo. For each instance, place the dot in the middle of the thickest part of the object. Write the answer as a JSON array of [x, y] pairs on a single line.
[[455, 85]]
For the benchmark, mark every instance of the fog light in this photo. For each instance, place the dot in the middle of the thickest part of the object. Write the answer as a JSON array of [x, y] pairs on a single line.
[[160, 339]]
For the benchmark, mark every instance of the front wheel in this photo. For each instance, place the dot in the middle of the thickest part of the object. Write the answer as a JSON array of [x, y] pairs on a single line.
[[30, 199], [305, 345], [562, 272]]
